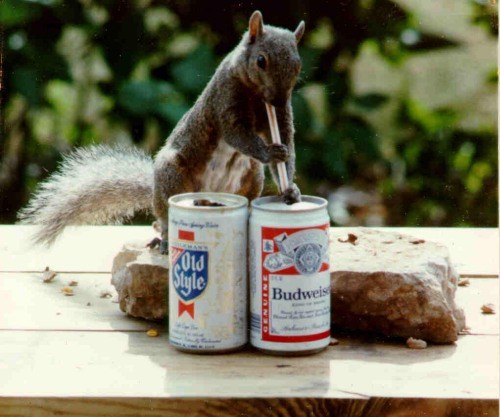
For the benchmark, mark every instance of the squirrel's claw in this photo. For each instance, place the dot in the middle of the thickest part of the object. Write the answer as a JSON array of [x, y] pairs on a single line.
[[292, 195], [154, 243], [278, 152], [161, 244]]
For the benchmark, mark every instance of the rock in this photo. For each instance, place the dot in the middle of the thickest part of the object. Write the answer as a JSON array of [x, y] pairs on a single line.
[[382, 282], [140, 276], [395, 285], [130, 252]]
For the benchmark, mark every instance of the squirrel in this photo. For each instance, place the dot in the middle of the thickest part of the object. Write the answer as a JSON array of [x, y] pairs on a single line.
[[219, 145]]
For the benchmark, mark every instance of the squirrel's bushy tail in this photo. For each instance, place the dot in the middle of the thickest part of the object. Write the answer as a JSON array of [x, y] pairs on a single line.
[[94, 185]]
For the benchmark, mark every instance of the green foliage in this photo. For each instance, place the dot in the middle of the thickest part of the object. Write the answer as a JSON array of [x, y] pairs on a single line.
[[88, 72], [370, 101], [14, 12], [194, 71]]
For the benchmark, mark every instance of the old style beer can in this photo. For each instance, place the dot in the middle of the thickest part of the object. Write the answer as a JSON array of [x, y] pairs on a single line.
[[289, 276], [208, 274]]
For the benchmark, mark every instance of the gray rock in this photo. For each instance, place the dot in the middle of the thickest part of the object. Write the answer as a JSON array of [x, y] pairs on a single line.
[[382, 282], [395, 285]]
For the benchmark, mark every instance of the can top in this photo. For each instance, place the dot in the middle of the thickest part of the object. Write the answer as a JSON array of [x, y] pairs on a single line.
[[276, 204], [208, 201]]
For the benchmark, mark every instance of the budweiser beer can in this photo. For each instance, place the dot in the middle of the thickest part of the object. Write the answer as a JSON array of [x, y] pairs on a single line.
[[208, 274], [289, 276]]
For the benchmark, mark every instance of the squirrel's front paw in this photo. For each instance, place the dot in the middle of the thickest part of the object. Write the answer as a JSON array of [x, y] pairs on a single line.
[[292, 195], [277, 152]]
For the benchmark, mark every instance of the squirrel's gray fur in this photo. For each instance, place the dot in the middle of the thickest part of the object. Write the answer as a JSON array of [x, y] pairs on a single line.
[[220, 144], [94, 185]]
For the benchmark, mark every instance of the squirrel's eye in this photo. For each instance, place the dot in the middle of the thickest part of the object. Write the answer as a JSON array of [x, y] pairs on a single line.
[[261, 61]]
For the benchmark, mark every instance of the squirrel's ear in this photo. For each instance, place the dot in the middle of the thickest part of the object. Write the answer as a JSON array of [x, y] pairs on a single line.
[[255, 26], [299, 32]]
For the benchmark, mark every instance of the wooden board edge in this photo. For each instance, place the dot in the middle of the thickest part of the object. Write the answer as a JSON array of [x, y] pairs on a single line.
[[247, 407]]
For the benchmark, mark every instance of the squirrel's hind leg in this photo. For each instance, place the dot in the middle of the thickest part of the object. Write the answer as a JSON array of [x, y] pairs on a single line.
[[169, 179]]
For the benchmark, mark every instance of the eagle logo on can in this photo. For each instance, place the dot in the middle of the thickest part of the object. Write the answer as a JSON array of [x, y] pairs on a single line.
[[308, 258], [306, 250]]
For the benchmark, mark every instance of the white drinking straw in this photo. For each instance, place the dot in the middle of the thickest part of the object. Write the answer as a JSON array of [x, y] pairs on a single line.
[[275, 135]]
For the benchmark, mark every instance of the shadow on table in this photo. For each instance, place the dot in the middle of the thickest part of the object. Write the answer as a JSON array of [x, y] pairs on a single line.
[[376, 348], [249, 371], [233, 374]]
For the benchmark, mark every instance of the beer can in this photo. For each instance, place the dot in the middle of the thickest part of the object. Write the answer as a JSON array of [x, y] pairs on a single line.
[[289, 276], [207, 239]]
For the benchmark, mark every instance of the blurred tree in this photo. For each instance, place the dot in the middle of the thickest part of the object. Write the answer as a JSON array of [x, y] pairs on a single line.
[[84, 72]]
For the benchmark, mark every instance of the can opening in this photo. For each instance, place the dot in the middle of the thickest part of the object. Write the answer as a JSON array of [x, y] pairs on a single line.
[[208, 201], [205, 202], [276, 204]]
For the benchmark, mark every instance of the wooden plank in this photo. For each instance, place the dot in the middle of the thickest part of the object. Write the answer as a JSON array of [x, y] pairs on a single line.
[[30, 304], [27, 303], [131, 364], [242, 407], [80, 249], [480, 291], [92, 248]]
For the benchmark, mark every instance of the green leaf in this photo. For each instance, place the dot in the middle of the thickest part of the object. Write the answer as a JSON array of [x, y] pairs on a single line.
[[62, 96], [143, 97], [363, 137], [16, 12], [333, 156], [172, 111], [25, 81], [310, 60], [338, 86], [194, 71], [301, 114], [431, 121], [306, 157], [493, 76], [370, 101], [464, 156]]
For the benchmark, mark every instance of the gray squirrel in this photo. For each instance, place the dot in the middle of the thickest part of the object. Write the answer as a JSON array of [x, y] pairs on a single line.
[[219, 145]]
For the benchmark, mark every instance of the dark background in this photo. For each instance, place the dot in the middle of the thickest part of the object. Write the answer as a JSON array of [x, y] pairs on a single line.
[[395, 112]]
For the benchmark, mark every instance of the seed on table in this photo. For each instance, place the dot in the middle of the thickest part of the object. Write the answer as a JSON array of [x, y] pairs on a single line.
[[488, 308], [152, 332], [416, 343], [67, 291], [351, 238]]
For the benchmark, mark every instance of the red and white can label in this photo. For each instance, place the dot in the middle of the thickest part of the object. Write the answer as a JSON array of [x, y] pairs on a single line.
[[295, 284]]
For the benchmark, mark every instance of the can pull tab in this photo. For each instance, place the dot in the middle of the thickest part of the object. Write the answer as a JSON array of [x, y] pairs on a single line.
[[275, 135]]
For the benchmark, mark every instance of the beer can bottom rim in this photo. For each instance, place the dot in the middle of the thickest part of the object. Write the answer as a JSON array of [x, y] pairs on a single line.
[[211, 351], [307, 352]]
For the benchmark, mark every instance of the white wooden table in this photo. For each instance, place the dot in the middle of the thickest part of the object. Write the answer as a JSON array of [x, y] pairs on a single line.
[[81, 356]]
